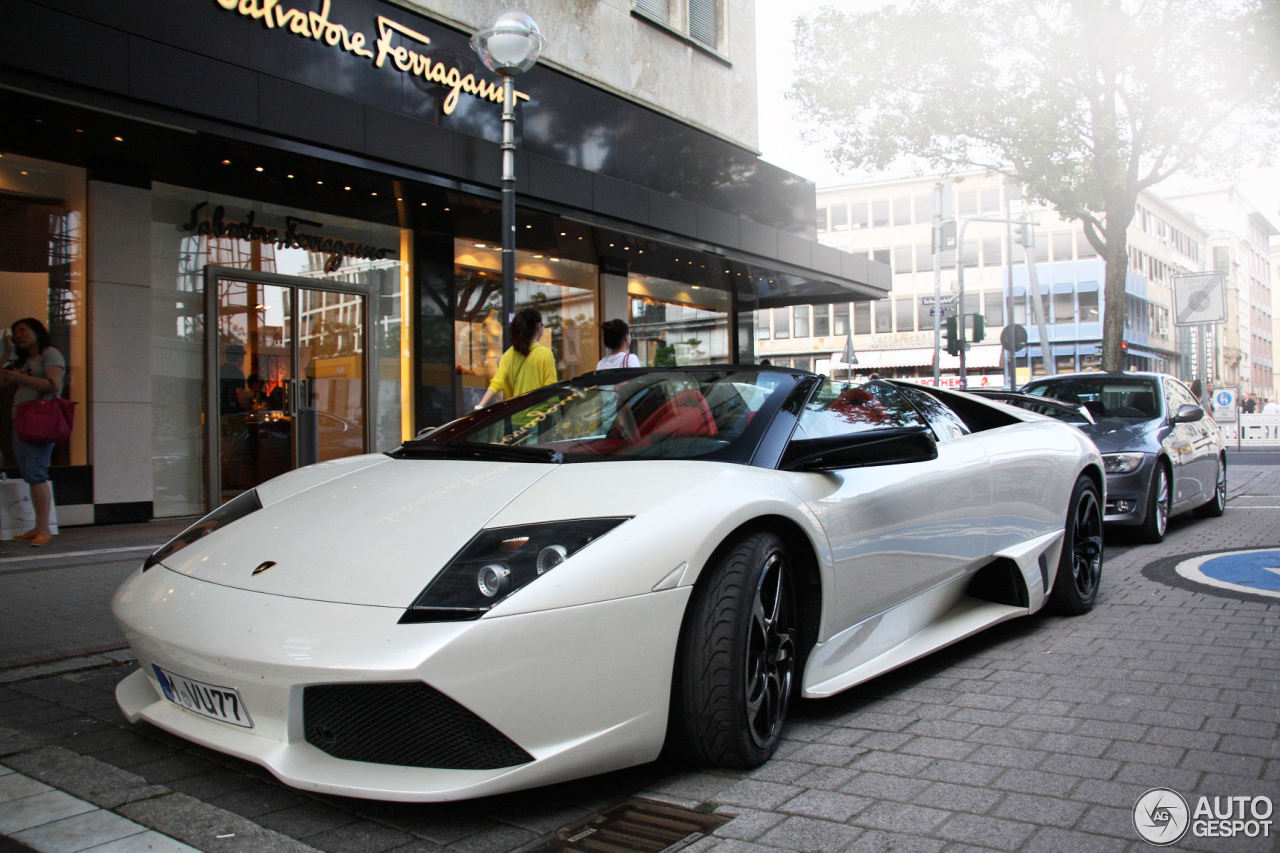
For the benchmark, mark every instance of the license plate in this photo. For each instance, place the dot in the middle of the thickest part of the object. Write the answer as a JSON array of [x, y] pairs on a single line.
[[209, 700]]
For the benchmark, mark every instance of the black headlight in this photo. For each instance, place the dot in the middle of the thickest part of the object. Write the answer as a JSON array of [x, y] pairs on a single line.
[[238, 507], [499, 561]]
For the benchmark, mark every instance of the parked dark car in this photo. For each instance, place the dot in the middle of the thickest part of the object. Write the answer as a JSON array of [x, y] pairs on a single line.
[[1072, 413], [1163, 453]]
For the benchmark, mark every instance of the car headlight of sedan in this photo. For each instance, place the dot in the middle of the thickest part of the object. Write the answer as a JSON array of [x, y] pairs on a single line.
[[499, 561], [1122, 463], [236, 508]]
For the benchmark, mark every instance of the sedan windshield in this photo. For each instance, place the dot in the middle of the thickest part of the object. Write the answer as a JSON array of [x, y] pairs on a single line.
[[711, 413], [1121, 398]]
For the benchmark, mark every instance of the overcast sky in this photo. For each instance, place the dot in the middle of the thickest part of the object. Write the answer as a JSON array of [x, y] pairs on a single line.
[[779, 135]]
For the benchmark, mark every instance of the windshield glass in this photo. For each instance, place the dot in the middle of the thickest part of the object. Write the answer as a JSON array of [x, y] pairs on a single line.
[[1135, 399], [704, 413]]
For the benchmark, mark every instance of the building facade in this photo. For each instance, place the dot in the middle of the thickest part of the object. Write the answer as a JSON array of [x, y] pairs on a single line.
[[266, 234], [892, 222]]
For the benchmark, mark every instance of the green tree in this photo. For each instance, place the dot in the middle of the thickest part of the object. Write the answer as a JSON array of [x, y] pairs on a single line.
[[1085, 103]]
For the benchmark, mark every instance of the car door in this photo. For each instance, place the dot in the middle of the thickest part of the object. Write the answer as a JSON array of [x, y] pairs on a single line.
[[895, 530], [1192, 447]]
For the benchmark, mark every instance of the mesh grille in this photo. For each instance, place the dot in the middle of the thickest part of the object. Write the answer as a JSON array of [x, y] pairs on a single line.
[[404, 723]]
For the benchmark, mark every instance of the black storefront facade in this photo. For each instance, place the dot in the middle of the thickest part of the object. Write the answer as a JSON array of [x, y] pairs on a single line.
[[266, 233]]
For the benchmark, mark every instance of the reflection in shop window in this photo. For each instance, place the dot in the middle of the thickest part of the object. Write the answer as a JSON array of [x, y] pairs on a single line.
[[673, 323], [564, 291]]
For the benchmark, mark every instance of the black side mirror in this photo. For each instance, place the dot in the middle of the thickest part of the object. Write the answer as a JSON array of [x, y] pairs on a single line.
[[1187, 414]]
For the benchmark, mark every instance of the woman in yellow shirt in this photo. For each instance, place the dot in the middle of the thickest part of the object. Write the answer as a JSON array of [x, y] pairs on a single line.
[[526, 365]]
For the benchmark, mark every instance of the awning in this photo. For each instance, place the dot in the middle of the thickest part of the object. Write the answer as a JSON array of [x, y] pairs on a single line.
[[873, 359]]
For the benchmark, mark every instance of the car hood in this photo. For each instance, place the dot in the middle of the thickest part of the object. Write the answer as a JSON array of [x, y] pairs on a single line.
[[363, 534], [377, 530], [1114, 436]]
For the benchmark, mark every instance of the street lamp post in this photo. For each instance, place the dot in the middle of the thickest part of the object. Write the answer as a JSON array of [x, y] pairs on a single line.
[[508, 43]]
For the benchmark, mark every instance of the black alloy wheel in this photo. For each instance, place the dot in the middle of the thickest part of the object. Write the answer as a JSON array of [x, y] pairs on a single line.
[[736, 665], [1075, 587]]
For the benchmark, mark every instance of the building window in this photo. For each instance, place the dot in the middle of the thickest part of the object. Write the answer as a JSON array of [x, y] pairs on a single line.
[[994, 308], [1062, 247], [820, 221], [839, 217], [859, 217], [902, 259], [884, 315], [781, 323], [902, 211], [1064, 308], [991, 200], [991, 251], [880, 256], [802, 321], [906, 311], [880, 213], [840, 318], [762, 325], [862, 318], [924, 258], [697, 19], [924, 208], [821, 321]]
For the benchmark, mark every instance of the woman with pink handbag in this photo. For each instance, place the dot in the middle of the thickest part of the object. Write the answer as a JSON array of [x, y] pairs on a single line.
[[36, 367]]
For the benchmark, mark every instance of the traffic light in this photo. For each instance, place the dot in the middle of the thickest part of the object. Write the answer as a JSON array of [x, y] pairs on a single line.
[[953, 335], [1024, 235], [979, 328]]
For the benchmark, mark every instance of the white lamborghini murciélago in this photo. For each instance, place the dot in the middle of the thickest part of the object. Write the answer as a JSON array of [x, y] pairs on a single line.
[[567, 582]]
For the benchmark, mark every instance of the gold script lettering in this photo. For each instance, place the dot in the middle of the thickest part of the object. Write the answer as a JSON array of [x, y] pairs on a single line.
[[317, 26]]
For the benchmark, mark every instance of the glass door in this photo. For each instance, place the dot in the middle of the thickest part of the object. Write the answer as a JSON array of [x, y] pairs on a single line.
[[289, 383]]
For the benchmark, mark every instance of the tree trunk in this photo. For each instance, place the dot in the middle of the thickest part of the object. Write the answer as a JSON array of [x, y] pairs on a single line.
[[1115, 306]]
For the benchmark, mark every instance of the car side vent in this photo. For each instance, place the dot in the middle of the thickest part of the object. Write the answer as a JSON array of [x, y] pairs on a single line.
[[405, 723]]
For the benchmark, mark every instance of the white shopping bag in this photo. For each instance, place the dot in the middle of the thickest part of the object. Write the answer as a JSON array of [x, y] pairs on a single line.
[[17, 513]]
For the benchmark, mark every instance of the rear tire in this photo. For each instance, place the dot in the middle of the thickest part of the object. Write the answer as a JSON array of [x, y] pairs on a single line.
[[1075, 587], [1217, 504], [1159, 505], [735, 666]]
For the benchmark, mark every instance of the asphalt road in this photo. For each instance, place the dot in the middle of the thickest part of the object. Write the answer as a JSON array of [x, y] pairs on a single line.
[[1041, 734]]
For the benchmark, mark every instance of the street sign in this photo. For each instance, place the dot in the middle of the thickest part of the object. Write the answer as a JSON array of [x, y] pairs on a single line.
[[1225, 403], [944, 301], [1198, 299], [1014, 338]]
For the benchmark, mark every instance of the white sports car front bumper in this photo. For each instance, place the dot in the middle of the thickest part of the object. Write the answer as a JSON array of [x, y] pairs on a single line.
[[581, 690]]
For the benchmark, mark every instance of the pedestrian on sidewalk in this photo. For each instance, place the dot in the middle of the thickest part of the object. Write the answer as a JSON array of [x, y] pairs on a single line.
[[35, 366]]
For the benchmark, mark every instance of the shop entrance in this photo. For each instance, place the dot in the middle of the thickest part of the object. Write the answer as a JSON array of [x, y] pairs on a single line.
[[288, 367]]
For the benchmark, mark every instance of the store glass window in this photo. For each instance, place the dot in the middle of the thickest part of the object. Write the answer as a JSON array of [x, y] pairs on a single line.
[[673, 323], [563, 290], [42, 276], [330, 366]]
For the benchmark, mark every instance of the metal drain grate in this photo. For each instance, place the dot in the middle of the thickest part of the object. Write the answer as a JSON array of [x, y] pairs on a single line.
[[632, 826]]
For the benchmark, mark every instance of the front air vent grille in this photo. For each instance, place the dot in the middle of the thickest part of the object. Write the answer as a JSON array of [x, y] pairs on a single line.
[[405, 723]]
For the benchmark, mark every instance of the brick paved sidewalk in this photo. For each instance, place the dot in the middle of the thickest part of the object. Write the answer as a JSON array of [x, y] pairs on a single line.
[[1039, 735]]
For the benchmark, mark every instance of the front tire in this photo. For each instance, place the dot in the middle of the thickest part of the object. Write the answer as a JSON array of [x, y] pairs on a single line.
[[1159, 505], [1075, 587], [735, 667], [1217, 504]]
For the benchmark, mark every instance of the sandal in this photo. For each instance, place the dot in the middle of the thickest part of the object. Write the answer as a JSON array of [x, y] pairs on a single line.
[[30, 534], [41, 539]]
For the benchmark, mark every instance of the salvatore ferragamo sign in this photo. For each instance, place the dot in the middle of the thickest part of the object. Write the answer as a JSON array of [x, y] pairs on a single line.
[[385, 51]]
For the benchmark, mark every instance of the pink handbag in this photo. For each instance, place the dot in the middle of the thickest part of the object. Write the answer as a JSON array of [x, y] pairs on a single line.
[[44, 421]]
